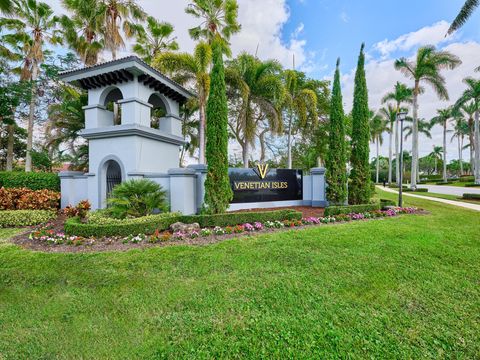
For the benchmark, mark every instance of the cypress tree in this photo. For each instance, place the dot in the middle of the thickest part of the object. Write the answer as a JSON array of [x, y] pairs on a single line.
[[359, 191], [218, 192], [337, 154]]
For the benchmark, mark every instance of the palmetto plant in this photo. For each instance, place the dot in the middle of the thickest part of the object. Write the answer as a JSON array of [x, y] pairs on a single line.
[[136, 198], [118, 16], [187, 68], [258, 86], [389, 113], [401, 95], [219, 21], [463, 15], [155, 39], [300, 106], [83, 29], [378, 125], [442, 118], [425, 69], [472, 93], [36, 26]]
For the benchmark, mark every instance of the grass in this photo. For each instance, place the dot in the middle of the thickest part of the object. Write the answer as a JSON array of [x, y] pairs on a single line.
[[404, 287]]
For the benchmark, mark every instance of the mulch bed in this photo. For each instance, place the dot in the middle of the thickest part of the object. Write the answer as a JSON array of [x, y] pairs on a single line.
[[307, 211]]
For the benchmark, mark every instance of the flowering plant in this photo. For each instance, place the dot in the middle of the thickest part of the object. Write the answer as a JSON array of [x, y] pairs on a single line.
[[229, 230], [179, 235], [248, 227], [194, 234], [258, 226], [238, 229], [311, 220], [217, 230], [206, 232], [269, 224]]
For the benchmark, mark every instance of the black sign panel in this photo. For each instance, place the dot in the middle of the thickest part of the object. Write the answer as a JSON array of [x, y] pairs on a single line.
[[262, 184]]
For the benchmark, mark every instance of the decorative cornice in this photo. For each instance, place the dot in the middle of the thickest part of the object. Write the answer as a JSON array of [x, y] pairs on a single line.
[[131, 130]]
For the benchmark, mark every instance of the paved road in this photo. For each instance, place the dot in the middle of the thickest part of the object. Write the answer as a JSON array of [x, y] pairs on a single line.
[[450, 190], [444, 201]]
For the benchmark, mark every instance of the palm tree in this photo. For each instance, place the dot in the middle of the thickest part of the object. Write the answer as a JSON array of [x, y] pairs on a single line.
[[38, 28], [259, 88], [83, 29], [463, 15], [6, 6], [436, 155], [461, 129], [442, 118], [156, 38], [469, 109], [187, 68], [219, 21], [400, 95], [473, 93], [118, 16], [300, 106], [378, 125], [390, 115], [426, 69], [424, 128]]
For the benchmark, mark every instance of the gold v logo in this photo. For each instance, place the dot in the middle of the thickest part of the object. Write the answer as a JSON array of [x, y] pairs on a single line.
[[262, 170]]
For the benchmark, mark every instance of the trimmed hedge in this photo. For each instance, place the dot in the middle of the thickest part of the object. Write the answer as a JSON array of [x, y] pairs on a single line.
[[30, 180], [361, 208], [148, 224], [472, 185], [387, 202], [407, 189], [16, 218], [466, 178], [471, 196]]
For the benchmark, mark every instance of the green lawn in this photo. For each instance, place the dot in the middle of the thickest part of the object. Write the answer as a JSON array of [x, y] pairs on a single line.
[[405, 287], [444, 196]]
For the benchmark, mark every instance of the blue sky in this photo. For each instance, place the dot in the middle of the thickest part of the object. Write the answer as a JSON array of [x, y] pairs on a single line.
[[335, 28]]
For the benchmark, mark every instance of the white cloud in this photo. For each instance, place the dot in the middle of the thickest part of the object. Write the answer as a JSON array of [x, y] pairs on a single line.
[[381, 77], [428, 35], [262, 23], [344, 17]]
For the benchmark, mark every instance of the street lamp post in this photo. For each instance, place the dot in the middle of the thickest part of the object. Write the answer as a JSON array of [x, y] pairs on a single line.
[[401, 117]]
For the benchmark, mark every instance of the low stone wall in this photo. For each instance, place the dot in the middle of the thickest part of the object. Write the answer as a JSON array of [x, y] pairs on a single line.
[[185, 189]]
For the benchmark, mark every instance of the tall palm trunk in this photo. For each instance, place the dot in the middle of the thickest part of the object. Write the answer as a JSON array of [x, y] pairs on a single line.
[[460, 155], [390, 144], [263, 146], [397, 147], [415, 137], [378, 160], [246, 150], [10, 143], [471, 138], [477, 147], [31, 117], [436, 163], [445, 151], [201, 133], [289, 145]]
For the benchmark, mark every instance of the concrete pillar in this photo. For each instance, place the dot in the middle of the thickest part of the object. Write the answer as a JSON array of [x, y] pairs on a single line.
[[201, 173], [171, 124], [135, 111], [318, 187], [73, 188], [97, 116], [183, 190]]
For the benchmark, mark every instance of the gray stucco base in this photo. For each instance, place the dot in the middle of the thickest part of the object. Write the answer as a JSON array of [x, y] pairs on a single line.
[[184, 187]]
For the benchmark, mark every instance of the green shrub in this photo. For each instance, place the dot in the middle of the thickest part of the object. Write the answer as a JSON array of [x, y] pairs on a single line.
[[466, 178], [472, 185], [407, 189], [231, 219], [136, 198], [471, 196], [387, 202], [100, 225], [431, 177], [361, 208], [15, 218], [30, 180]]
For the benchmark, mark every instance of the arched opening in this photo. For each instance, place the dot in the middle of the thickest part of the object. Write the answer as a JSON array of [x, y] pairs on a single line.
[[113, 176], [111, 98], [159, 110]]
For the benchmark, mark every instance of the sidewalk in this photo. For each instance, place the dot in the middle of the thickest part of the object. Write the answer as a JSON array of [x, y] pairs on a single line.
[[449, 202]]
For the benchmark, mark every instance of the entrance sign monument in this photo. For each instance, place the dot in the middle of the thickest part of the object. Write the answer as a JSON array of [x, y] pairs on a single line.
[[126, 141]]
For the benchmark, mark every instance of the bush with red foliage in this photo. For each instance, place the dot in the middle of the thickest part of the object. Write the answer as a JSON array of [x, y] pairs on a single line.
[[26, 199]]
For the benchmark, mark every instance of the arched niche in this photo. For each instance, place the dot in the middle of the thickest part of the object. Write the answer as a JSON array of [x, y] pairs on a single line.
[[111, 174], [160, 108], [110, 98]]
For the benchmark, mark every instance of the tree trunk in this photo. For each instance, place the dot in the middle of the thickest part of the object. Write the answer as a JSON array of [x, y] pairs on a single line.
[[415, 137], [460, 153], [378, 162], [10, 143], [263, 147], [436, 170], [397, 147], [31, 117], [201, 133], [445, 152], [390, 155], [289, 145], [477, 147], [245, 153], [471, 138]]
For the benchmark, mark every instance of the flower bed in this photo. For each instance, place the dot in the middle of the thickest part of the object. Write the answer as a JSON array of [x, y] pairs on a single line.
[[45, 236]]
